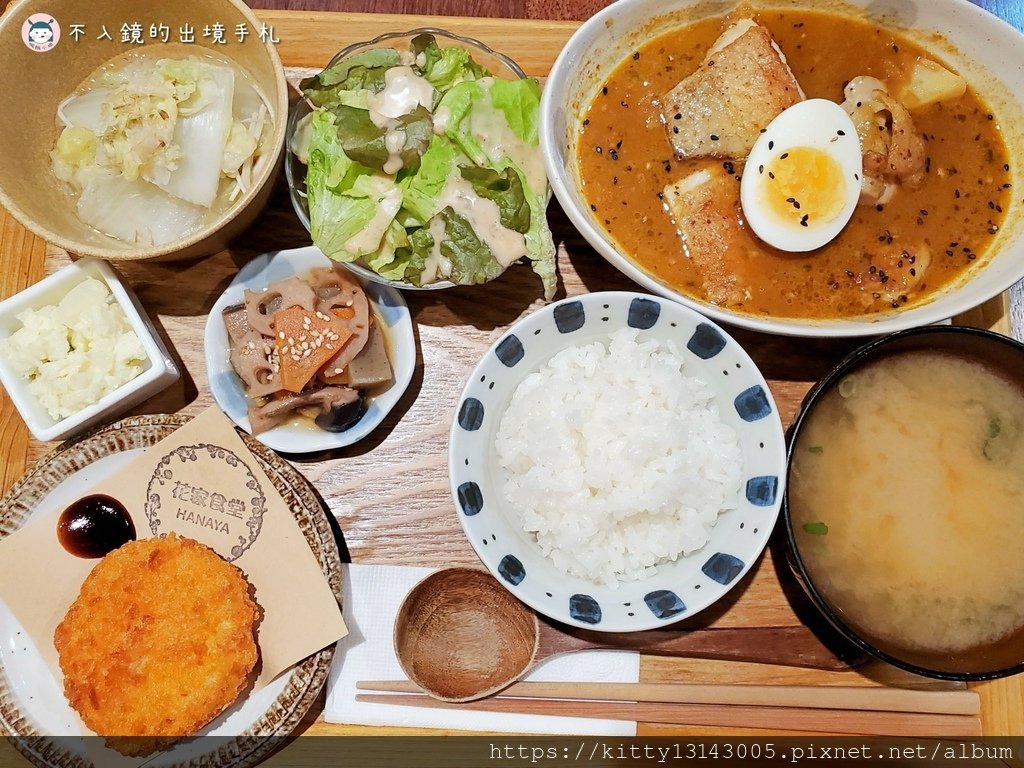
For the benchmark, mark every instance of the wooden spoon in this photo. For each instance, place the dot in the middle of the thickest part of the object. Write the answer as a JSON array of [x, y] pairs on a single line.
[[460, 635]]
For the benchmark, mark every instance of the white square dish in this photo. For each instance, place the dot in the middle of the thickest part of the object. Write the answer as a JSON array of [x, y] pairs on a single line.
[[158, 373]]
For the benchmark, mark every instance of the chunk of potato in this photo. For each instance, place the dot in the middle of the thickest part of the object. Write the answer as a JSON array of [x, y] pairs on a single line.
[[928, 83]]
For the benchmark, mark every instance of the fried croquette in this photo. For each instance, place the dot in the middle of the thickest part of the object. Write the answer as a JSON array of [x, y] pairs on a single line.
[[160, 640]]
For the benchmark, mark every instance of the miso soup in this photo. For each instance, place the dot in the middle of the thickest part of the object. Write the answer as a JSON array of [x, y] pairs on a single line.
[[907, 502]]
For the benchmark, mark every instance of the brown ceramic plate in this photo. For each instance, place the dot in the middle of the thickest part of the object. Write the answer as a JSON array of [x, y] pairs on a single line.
[[266, 728]]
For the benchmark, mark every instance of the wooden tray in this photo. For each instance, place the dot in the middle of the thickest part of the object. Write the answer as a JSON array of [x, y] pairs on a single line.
[[390, 492]]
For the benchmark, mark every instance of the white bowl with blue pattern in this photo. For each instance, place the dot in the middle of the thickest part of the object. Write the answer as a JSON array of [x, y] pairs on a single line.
[[679, 589]]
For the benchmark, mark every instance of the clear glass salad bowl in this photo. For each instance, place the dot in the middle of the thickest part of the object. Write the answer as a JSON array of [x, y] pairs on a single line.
[[497, 63]]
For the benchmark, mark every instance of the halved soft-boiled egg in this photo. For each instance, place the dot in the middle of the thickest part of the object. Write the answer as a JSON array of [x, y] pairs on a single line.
[[802, 177]]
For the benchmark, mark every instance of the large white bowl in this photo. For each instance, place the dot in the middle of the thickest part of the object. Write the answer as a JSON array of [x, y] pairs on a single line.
[[986, 50], [679, 589]]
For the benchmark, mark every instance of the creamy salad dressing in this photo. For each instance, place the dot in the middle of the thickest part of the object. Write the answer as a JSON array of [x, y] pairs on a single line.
[[436, 265], [394, 140], [483, 216], [388, 200], [441, 118], [404, 90], [500, 143]]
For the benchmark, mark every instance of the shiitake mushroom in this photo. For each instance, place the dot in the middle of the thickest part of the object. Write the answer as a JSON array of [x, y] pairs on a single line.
[[339, 417]]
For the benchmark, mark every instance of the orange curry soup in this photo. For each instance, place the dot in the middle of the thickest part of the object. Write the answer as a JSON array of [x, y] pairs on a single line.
[[625, 161]]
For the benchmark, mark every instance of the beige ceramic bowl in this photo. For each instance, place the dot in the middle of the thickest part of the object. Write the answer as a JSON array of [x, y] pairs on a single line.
[[35, 82]]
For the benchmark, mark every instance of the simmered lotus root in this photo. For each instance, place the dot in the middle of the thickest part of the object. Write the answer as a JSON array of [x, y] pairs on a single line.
[[261, 307]]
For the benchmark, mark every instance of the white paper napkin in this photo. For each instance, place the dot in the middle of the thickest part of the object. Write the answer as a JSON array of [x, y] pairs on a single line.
[[373, 594]]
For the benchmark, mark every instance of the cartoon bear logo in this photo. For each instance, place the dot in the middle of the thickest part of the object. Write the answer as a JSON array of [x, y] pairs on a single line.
[[41, 32]]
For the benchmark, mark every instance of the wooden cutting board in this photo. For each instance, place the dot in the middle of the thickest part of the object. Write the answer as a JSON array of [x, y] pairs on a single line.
[[390, 492]]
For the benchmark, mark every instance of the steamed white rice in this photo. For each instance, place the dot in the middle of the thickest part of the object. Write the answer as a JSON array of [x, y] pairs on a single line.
[[615, 460]]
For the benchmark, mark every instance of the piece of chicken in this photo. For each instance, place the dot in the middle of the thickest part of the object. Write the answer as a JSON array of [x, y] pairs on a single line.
[[894, 154], [892, 278], [740, 87]]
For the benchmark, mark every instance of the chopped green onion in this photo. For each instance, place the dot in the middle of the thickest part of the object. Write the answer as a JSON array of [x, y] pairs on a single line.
[[816, 529]]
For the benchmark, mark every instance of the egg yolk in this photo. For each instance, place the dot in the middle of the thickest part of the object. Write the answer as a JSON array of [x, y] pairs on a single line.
[[804, 185]]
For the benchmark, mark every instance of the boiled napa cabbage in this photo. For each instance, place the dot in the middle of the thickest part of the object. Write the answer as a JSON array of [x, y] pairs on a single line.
[[167, 139], [201, 137], [136, 211]]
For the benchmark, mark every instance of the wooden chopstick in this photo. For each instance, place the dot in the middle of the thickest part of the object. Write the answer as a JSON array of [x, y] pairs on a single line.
[[853, 722], [865, 698]]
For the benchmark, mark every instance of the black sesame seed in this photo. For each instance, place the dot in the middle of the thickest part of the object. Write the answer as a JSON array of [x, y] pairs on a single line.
[[675, 129], [771, 175], [678, 116], [784, 155], [593, 208], [760, 169], [771, 145], [714, 137], [841, 133], [604, 91], [636, 55], [803, 220]]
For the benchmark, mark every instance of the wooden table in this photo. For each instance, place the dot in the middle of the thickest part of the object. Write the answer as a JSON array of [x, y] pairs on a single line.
[[390, 492]]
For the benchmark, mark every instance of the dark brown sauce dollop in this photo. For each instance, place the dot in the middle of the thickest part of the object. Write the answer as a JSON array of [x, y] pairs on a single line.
[[94, 526]]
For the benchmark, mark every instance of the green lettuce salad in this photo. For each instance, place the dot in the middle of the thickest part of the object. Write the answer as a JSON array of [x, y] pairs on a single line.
[[424, 167]]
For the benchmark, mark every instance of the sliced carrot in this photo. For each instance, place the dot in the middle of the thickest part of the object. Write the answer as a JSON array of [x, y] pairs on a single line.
[[343, 313], [305, 340]]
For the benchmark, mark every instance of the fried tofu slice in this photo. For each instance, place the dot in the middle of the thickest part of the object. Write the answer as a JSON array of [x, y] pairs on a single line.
[[160, 640], [705, 207], [743, 83]]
